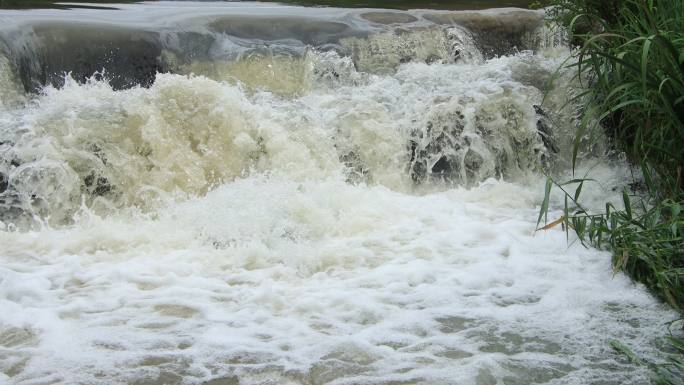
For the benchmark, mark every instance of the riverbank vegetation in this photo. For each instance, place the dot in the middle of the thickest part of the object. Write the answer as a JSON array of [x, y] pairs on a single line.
[[630, 60]]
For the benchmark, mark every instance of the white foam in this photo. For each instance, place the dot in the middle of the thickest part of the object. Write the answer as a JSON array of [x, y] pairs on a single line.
[[186, 134], [322, 280], [232, 243]]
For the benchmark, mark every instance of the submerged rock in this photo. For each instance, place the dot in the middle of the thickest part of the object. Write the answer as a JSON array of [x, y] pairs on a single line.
[[355, 169], [11, 208], [384, 52], [545, 129], [496, 34], [123, 56], [495, 141], [38, 188], [97, 185], [4, 182], [434, 151]]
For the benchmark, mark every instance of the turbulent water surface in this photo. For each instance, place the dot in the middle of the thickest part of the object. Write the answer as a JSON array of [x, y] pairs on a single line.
[[262, 194]]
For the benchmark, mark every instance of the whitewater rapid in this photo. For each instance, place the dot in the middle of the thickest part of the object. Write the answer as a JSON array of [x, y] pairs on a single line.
[[285, 212]]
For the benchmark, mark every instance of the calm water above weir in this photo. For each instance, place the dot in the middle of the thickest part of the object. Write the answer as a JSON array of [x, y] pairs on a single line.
[[253, 193]]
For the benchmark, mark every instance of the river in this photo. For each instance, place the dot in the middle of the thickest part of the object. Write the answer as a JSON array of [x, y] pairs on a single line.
[[255, 193]]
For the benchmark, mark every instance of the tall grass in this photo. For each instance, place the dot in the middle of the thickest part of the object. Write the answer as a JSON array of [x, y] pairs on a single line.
[[631, 64], [635, 65]]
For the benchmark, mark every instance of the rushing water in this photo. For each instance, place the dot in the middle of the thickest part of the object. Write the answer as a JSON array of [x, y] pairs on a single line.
[[261, 194]]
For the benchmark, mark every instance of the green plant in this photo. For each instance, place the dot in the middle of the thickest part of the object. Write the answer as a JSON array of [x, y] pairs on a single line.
[[630, 63], [647, 243], [633, 69], [536, 4], [647, 240]]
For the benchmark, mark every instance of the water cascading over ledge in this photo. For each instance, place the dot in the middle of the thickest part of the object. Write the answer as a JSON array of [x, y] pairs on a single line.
[[259, 194], [131, 120]]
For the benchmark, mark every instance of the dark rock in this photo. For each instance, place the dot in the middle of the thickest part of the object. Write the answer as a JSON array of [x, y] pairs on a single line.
[[89, 180], [441, 139], [538, 110], [495, 34], [124, 57], [99, 153], [102, 186], [97, 185], [4, 183], [355, 169], [545, 129], [413, 146], [11, 207], [472, 162], [443, 166], [433, 59], [328, 73]]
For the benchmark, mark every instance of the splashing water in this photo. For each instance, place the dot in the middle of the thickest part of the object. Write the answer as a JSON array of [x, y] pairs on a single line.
[[323, 204], [186, 134]]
